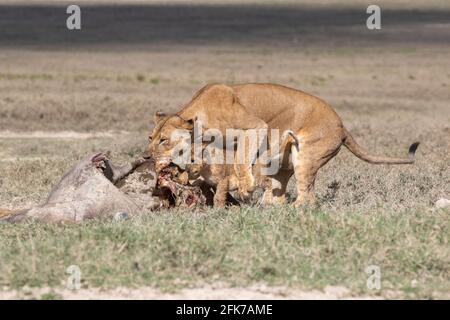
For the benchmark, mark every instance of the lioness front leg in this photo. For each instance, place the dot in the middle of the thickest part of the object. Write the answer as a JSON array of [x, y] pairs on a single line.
[[245, 179], [220, 196]]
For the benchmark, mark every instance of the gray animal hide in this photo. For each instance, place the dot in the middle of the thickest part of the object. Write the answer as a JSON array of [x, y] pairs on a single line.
[[94, 188]]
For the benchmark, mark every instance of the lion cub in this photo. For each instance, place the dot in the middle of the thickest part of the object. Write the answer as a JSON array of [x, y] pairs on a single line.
[[225, 178], [229, 177]]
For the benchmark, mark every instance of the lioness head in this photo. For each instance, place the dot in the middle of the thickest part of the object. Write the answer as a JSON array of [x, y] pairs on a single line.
[[169, 133]]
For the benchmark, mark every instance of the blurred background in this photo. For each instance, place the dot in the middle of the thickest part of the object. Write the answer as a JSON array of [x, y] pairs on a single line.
[[63, 92]]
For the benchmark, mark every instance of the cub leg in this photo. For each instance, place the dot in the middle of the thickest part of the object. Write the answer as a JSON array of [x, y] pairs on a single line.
[[275, 188]]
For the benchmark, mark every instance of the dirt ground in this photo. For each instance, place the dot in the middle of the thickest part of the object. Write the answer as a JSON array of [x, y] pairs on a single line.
[[65, 93], [216, 292]]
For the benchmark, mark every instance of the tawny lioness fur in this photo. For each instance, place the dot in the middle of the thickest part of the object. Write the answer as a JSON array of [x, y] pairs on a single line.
[[317, 128], [222, 177]]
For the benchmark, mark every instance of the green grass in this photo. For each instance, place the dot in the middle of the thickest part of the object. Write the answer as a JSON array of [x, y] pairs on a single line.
[[276, 246]]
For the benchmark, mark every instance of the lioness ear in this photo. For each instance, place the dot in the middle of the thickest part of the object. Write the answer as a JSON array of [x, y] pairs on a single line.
[[187, 124], [190, 124], [158, 116]]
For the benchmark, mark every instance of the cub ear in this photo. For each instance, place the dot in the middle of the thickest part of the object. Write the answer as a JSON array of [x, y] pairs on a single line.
[[158, 116]]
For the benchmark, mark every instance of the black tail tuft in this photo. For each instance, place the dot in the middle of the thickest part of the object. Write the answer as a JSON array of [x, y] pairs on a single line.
[[412, 150]]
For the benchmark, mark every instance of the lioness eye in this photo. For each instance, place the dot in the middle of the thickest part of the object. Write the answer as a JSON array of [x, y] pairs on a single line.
[[162, 141], [150, 139]]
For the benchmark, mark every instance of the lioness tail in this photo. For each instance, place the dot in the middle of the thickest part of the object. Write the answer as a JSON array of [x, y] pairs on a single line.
[[361, 153]]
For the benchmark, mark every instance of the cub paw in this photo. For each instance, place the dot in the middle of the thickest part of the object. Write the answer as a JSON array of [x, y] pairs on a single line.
[[245, 188]]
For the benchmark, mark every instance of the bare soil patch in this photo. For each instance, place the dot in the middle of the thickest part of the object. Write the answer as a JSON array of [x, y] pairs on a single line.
[[256, 292]]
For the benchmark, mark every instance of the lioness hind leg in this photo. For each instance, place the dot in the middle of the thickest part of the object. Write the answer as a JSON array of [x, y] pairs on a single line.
[[305, 176], [307, 161]]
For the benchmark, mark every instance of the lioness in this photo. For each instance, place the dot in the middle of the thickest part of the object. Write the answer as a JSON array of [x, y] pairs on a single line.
[[316, 126], [222, 177]]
